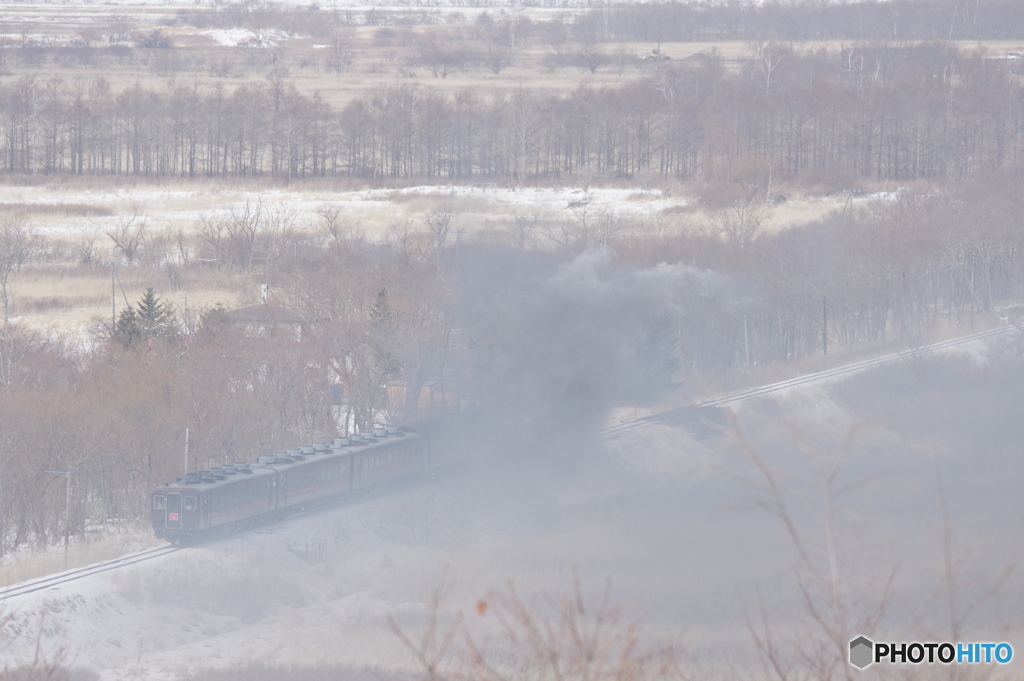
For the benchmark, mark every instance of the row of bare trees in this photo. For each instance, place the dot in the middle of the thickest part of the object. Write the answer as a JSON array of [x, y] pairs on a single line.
[[870, 112]]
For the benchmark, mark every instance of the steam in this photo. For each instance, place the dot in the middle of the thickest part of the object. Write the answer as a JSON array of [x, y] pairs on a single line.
[[556, 346]]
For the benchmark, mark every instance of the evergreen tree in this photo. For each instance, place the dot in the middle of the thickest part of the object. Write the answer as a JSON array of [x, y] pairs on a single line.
[[128, 332], [214, 322], [156, 319], [382, 333], [657, 356], [150, 318]]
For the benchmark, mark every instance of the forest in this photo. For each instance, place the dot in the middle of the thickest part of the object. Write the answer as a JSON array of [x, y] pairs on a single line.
[[877, 112]]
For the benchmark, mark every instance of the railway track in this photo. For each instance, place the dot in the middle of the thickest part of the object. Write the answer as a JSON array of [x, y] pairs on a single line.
[[807, 378], [51, 581]]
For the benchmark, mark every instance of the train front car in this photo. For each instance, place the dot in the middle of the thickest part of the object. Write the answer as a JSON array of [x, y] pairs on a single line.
[[219, 501], [175, 512]]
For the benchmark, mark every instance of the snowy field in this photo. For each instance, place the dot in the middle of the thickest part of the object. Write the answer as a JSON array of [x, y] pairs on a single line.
[[479, 207]]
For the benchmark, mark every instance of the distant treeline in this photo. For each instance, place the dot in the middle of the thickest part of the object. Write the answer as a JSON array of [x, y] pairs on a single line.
[[878, 112], [814, 20], [795, 20]]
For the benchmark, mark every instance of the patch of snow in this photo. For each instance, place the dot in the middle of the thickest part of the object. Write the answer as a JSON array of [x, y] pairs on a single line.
[[230, 37]]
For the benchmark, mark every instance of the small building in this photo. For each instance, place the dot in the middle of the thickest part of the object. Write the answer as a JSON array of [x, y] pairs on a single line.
[[267, 321]]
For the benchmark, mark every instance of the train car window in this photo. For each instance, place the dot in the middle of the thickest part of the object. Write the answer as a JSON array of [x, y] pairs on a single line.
[[158, 503], [190, 503]]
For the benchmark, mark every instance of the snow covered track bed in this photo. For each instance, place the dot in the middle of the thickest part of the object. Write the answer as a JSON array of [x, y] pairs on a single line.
[[51, 581], [810, 378]]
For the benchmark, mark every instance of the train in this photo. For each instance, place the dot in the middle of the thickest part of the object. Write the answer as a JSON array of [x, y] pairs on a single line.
[[228, 499]]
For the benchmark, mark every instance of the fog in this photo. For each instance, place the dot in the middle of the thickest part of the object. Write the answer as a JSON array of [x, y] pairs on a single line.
[[885, 503], [538, 236]]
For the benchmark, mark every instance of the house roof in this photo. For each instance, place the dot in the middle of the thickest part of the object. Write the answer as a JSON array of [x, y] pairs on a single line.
[[264, 314]]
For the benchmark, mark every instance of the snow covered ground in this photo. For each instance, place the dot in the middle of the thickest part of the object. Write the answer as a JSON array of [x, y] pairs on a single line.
[[837, 487], [678, 524], [476, 207], [317, 589]]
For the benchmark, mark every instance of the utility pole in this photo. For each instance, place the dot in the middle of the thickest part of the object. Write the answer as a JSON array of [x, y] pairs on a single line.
[[458, 238], [824, 326], [746, 341], [113, 300], [186, 451], [67, 507]]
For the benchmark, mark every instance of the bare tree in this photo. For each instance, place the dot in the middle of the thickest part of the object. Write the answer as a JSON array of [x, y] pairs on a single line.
[[339, 53], [497, 55], [438, 54], [128, 236], [213, 235], [120, 29], [562, 636], [608, 226], [242, 227], [562, 232], [400, 234], [338, 231], [17, 244], [740, 223], [523, 227], [591, 56], [769, 58], [86, 250], [439, 222]]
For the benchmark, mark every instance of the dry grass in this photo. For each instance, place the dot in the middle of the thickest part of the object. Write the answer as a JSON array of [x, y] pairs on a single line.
[[73, 212], [32, 564], [65, 209], [63, 297]]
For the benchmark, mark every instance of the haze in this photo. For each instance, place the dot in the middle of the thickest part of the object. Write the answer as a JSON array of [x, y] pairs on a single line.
[[537, 234]]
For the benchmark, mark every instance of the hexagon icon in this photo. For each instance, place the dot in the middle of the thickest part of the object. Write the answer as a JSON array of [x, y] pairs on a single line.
[[861, 650]]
